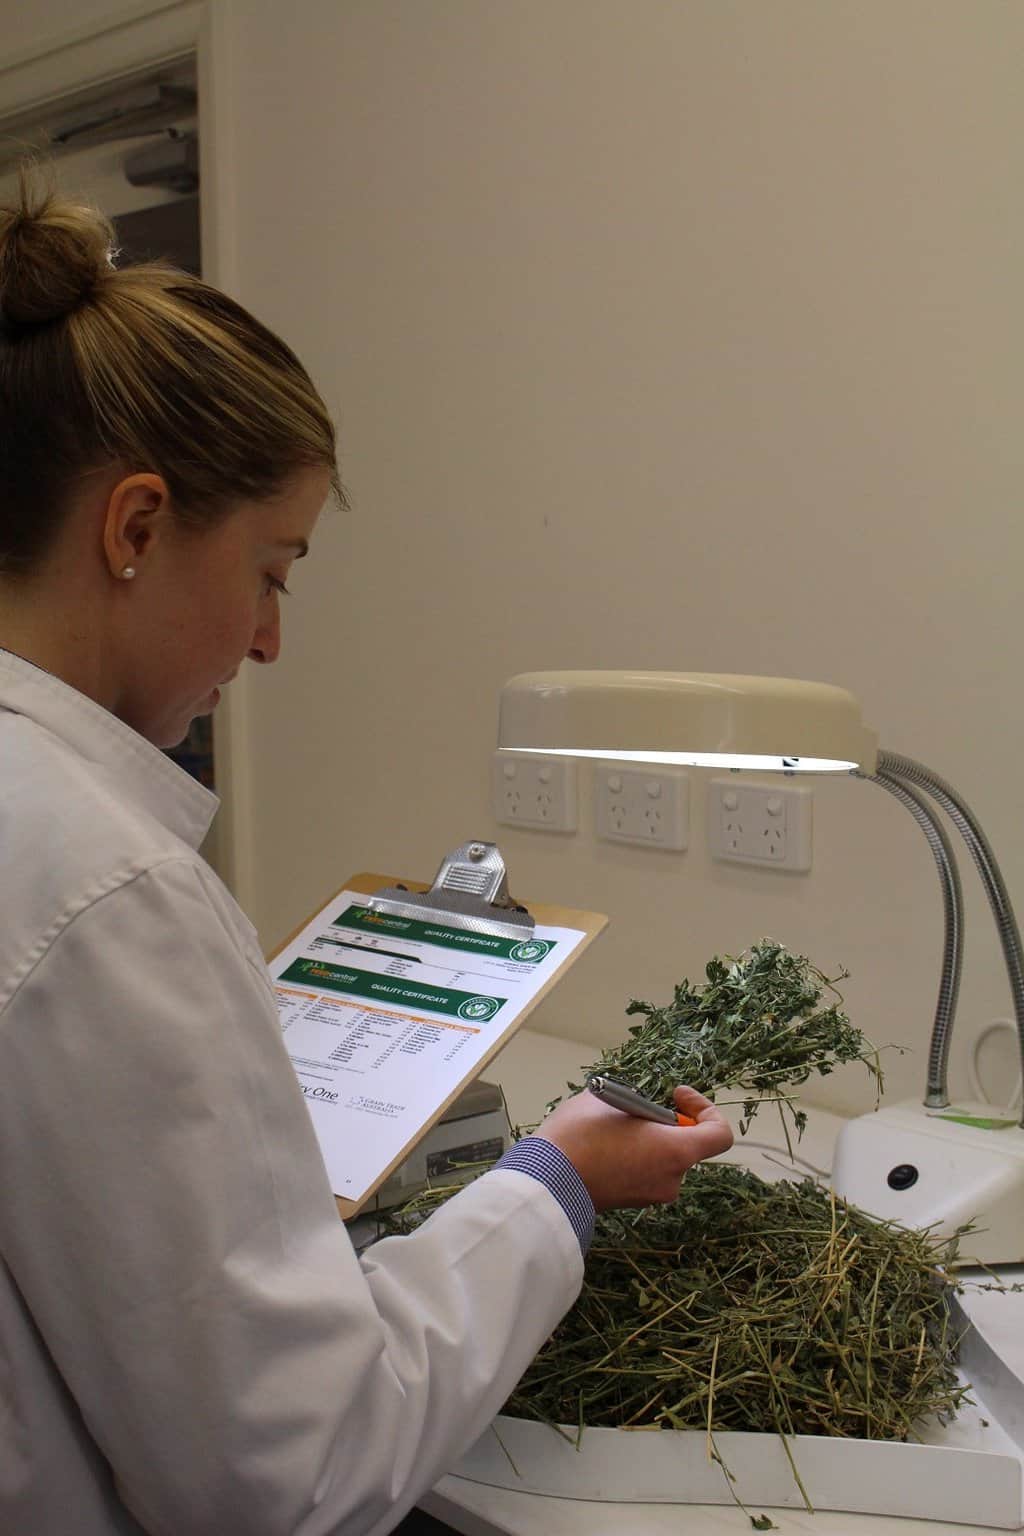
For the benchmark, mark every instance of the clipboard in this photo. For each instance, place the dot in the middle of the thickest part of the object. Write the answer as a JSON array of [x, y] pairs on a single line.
[[471, 916]]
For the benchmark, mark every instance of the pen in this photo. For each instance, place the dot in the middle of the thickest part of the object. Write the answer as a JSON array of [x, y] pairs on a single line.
[[632, 1103]]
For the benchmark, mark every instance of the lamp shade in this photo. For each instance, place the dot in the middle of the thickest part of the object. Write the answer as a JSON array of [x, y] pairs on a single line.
[[715, 720]]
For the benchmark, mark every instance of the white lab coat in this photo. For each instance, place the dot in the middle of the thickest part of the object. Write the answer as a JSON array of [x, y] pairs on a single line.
[[188, 1343]]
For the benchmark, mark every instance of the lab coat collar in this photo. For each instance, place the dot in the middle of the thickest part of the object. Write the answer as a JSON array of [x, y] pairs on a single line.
[[142, 772]]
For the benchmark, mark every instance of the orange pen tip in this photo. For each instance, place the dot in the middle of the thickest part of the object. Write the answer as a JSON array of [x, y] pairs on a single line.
[[685, 1119]]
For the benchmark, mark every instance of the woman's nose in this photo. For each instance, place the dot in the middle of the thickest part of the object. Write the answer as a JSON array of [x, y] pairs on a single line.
[[266, 642]]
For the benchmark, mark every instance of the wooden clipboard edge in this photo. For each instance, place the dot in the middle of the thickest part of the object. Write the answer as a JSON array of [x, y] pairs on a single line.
[[590, 924]]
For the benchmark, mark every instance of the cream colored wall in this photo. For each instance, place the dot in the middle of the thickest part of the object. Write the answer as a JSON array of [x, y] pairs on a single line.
[[684, 333], [671, 335]]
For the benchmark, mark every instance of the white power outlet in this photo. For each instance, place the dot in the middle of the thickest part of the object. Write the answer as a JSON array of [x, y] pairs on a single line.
[[649, 805], [532, 791], [763, 824]]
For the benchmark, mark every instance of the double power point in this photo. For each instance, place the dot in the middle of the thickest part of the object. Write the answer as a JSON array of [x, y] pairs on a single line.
[[764, 824], [648, 805], [532, 791]]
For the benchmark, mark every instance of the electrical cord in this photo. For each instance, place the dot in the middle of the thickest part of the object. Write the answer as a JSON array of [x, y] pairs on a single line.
[[782, 1157], [973, 1076]]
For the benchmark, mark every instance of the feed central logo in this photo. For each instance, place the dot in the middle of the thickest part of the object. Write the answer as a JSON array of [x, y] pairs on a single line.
[[479, 1008], [531, 949]]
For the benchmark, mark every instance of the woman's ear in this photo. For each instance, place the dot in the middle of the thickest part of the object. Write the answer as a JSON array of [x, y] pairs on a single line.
[[137, 517]]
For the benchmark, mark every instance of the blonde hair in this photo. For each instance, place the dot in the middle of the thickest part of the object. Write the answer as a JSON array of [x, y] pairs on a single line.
[[142, 366]]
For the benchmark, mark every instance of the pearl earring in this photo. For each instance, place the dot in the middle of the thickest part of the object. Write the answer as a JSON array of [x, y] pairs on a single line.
[[128, 573]]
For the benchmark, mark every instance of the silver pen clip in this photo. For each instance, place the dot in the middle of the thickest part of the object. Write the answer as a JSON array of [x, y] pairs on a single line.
[[632, 1103]]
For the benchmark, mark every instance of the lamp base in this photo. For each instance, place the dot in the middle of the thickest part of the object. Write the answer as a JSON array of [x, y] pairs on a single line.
[[939, 1168]]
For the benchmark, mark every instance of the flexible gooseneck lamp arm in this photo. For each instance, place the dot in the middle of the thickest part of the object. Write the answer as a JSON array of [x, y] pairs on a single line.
[[936, 1090], [910, 773]]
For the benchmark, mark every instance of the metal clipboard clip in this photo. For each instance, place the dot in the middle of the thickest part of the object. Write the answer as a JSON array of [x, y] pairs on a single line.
[[470, 891]]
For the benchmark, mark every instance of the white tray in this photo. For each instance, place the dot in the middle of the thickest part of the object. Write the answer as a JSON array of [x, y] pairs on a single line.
[[973, 1476]]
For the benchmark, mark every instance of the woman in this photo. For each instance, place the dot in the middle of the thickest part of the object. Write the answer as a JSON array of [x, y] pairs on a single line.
[[188, 1343]]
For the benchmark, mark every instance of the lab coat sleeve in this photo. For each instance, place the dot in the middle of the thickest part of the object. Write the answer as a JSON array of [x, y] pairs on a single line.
[[174, 1236]]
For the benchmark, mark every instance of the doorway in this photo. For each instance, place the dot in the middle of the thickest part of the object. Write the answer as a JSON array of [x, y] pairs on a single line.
[[131, 147]]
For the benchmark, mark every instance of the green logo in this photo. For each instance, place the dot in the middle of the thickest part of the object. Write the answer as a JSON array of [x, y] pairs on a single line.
[[479, 1008], [532, 949]]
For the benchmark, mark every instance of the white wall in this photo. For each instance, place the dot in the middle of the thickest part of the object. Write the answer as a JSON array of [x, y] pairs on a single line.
[[683, 333]]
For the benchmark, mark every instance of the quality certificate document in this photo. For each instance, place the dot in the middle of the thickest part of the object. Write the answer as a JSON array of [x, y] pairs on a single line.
[[387, 1018]]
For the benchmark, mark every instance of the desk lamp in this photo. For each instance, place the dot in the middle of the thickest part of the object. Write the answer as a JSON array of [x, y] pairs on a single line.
[[922, 1164]]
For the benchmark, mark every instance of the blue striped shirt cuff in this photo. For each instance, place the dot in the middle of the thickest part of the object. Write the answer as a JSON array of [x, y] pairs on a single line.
[[548, 1164]]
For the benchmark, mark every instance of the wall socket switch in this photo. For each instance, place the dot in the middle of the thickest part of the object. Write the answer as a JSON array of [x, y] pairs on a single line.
[[528, 790], [648, 805], [764, 824]]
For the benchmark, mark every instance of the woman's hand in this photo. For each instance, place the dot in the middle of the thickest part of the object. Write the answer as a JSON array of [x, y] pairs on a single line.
[[625, 1161]]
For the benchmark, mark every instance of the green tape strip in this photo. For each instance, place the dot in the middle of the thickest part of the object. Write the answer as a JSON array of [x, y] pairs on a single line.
[[979, 1122]]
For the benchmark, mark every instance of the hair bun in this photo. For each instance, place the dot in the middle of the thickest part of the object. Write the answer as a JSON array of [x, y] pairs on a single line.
[[53, 254]]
